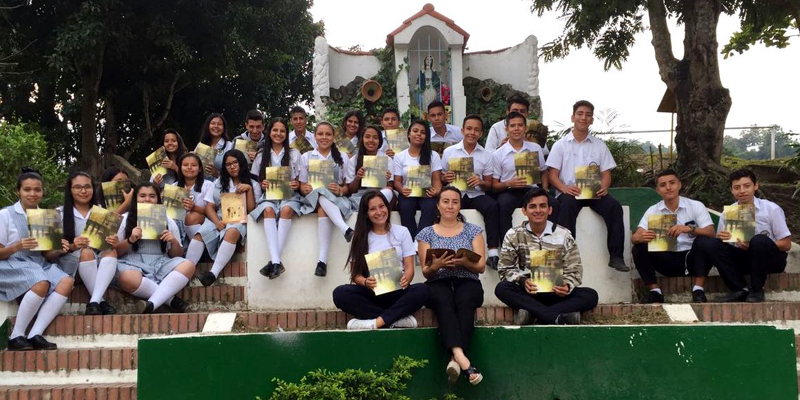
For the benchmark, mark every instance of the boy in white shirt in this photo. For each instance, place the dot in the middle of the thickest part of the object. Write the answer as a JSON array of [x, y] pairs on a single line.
[[254, 131], [299, 119], [440, 130]]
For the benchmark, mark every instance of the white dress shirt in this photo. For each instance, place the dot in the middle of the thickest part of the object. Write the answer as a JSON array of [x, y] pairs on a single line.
[[770, 220], [481, 160], [452, 134], [496, 135], [568, 153], [688, 211], [309, 137], [503, 167]]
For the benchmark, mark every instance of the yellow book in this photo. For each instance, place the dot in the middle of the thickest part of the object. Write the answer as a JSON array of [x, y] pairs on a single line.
[[375, 168], [234, 208], [152, 219], [45, 226], [740, 222], [245, 146], [320, 173], [301, 144], [101, 224], [396, 140], [205, 153], [526, 165], [660, 224], [463, 168], [278, 183], [154, 162], [547, 269], [440, 146], [113, 193], [587, 178], [343, 142], [418, 179], [173, 197], [385, 267]]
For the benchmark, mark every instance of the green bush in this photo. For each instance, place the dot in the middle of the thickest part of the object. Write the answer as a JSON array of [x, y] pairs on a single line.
[[23, 146], [628, 171]]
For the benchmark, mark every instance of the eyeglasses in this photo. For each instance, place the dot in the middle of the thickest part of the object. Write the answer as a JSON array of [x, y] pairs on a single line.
[[231, 164], [79, 188]]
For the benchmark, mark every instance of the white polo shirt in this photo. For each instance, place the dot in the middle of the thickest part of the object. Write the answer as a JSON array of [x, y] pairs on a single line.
[[688, 211], [481, 160], [452, 134], [315, 155], [503, 167], [403, 160], [770, 220], [8, 231], [309, 137], [568, 153], [350, 172], [275, 161]]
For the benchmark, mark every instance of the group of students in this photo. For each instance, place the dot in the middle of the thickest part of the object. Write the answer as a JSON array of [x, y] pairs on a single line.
[[156, 270]]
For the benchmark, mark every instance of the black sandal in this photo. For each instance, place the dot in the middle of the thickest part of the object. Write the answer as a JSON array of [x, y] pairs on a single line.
[[472, 371]]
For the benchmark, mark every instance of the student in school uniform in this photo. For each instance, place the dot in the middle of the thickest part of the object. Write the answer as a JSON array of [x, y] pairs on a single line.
[[478, 184], [220, 238], [254, 132], [442, 132], [580, 148], [418, 153], [330, 203], [498, 136], [152, 270], [765, 253], [352, 124], [277, 231], [509, 187], [115, 174], [299, 119], [29, 274], [375, 233], [214, 134], [369, 144], [175, 148], [191, 176], [693, 221], [390, 119], [97, 269]]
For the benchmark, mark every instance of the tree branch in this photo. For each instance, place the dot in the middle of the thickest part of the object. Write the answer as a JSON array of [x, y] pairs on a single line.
[[170, 97], [662, 41], [149, 128], [13, 7]]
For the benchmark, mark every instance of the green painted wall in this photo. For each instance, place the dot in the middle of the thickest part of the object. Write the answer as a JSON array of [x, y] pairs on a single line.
[[639, 200], [565, 363]]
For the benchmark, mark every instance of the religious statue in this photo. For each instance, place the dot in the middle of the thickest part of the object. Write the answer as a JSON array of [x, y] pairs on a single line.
[[429, 82]]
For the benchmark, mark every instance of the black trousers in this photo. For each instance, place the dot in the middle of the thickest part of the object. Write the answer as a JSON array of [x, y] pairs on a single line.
[[454, 300], [511, 199], [667, 263], [608, 208], [362, 303], [487, 206], [546, 307], [761, 258], [408, 206]]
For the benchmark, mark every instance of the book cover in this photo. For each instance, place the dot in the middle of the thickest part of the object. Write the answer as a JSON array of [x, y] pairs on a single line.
[[660, 224], [397, 140], [547, 269], [101, 224], [301, 144], [440, 146], [463, 168], [113, 193], [526, 165], [245, 146], [587, 178], [172, 197], [152, 219], [385, 267], [418, 179], [343, 142], [154, 162], [375, 168], [320, 173], [234, 208], [205, 153], [439, 253], [740, 222], [45, 226], [278, 183]]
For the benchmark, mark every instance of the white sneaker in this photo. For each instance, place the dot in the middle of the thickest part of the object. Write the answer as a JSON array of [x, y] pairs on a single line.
[[406, 322], [361, 324]]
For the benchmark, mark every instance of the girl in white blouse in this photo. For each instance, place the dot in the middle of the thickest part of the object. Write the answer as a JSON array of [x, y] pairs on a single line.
[[191, 175]]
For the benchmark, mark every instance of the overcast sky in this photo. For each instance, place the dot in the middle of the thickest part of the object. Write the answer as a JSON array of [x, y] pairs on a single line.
[[763, 82]]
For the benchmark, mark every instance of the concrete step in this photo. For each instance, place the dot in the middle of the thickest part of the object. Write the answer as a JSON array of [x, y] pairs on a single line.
[[748, 312], [778, 287], [68, 360], [218, 297], [125, 391]]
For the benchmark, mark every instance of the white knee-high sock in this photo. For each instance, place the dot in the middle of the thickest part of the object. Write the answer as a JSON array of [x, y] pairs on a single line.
[[88, 273], [195, 250], [388, 193], [192, 230], [52, 305], [271, 233], [224, 255], [324, 229], [145, 289], [170, 286], [105, 274], [27, 309], [334, 214], [283, 232]]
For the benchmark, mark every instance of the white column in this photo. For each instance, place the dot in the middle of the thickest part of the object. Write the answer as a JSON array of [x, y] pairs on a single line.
[[457, 97], [403, 95], [321, 77]]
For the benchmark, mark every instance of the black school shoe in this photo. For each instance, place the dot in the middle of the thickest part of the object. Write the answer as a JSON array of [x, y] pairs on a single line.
[[19, 343], [699, 296], [40, 343], [492, 262], [348, 235], [207, 278], [653, 297], [571, 318], [277, 270], [618, 264], [93, 309], [266, 270], [755, 296], [322, 269], [178, 305], [106, 308], [735, 297]]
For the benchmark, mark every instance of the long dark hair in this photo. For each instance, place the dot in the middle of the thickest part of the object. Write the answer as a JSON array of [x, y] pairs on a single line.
[[181, 145], [107, 176], [198, 183], [266, 153], [359, 116], [133, 213], [360, 244], [460, 217], [425, 152], [337, 156], [28, 173], [205, 133], [67, 217], [244, 172], [362, 150]]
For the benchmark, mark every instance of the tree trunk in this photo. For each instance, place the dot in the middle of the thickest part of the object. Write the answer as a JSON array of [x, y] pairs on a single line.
[[111, 143], [90, 153]]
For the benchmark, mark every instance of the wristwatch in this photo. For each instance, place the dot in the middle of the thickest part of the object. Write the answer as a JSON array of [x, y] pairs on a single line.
[[692, 228]]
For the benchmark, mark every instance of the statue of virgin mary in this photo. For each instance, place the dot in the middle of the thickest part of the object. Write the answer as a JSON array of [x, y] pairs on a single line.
[[428, 82]]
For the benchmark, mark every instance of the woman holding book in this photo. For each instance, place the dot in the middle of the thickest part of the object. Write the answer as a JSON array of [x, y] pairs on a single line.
[[369, 144], [221, 237], [214, 134], [420, 160], [151, 269], [329, 201], [96, 276], [175, 149], [280, 155], [115, 174], [191, 176], [455, 288], [29, 274], [374, 234], [352, 124]]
